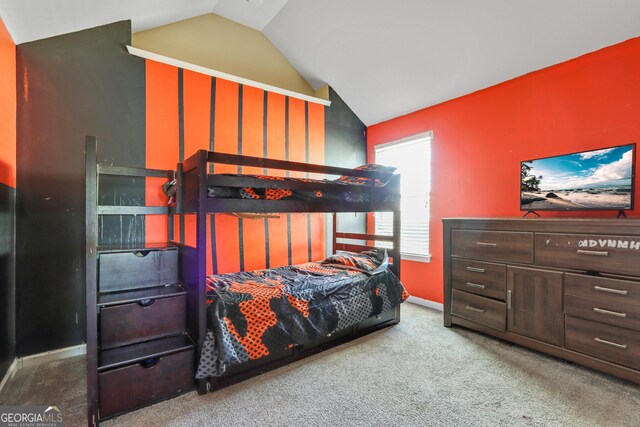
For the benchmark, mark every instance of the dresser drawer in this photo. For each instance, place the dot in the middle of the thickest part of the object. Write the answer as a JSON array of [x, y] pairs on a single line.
[[611, 343], [142, 321], [134, 270], [603, 288], [481, 278], [609, 254], [493, 245], [140, 384], [609, 312], [479, 309]]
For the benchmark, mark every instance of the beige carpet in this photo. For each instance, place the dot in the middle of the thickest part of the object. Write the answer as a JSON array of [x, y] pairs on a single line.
[[417, 373]]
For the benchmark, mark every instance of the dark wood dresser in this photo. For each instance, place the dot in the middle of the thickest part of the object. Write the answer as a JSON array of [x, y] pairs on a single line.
[[566, 287]]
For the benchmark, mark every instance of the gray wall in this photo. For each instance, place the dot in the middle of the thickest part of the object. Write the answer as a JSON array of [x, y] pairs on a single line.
[[345, 146], [7, 278], [69, 86]]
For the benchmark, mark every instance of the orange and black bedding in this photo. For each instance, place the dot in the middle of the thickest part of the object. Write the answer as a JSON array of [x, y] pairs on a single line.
[[256, 313], [321, 191]]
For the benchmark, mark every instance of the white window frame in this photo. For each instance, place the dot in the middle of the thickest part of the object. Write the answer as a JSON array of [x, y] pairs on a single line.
[[413, 138]]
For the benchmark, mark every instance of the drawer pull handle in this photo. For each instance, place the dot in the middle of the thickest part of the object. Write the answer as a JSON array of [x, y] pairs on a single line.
[[141, 254], [592, 253], [150, 362], [146, 302], [613, 344], [475, 269], [608, 312], [487, 245], [611, 291], [479, 310], [509, 297], [475, 285]]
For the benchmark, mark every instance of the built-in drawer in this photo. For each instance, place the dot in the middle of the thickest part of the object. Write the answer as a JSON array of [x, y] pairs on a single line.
[[611, 343], [383, 317], [134, 270], [481, 278], [493, 245], [334, 336], [479, 309], [142, 321], [142, 383], [602, 288], [609, 254], [612, 313]]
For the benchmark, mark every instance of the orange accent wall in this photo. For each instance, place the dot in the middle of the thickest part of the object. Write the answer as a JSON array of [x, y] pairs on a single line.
[[479, 140], [236, 120], [7, 108]]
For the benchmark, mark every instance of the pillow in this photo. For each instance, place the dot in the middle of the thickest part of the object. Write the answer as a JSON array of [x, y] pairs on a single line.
[[385, 171], [371, 262]]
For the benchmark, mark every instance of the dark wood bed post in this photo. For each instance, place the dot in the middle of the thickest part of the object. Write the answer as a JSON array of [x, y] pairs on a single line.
[[335, 231], [201, 244], [397, 229], [91, 246]]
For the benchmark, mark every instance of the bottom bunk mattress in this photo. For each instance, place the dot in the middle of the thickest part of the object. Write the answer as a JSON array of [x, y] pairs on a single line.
[[253, 314]]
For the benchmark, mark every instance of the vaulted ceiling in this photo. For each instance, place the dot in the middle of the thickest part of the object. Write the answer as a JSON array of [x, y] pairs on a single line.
[[385, 58]]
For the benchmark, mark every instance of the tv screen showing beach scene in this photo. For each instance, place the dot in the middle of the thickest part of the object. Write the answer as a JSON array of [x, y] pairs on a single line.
[[600, 179]]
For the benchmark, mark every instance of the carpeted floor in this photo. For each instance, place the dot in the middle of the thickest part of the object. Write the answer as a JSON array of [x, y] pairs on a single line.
[[417, 373]]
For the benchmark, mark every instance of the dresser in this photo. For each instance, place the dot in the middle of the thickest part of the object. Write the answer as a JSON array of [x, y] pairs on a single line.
[[566, 287], [144, 354]]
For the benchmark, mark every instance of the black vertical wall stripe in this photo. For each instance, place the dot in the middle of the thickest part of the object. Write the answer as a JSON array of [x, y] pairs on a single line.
[[212, 146], [181, 135], [240, 221], [92, 87], [286, 157], [265, 103], [306, 157]]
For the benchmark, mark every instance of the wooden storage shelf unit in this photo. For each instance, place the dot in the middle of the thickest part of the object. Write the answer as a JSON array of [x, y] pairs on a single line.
[[566, 287], [138, 348]]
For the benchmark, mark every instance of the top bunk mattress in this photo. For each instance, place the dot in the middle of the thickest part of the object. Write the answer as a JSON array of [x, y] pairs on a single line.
[[345, 188]]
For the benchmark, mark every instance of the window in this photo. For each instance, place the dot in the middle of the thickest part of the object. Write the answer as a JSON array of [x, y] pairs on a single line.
[[412, 158]]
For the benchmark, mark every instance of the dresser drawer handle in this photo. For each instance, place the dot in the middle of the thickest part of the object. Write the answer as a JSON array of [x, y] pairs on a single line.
[[150, 362], [475, 269], [479, 310], [611, 291], [592, 253], [608, 312], [475, 285], [487, 245], [613, 344], [144, 303]]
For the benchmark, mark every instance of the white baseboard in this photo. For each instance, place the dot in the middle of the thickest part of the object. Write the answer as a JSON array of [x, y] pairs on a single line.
[[48, 356], [13, 368], [425, 303], [39, 359]]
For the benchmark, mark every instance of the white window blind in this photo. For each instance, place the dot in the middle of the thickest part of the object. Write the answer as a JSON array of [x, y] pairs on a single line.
[[412, 158]]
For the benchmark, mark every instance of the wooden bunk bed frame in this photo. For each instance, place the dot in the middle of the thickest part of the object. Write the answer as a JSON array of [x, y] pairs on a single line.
[[193, 179]]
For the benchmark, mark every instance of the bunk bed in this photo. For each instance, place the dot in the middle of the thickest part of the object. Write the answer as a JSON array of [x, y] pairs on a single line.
[[364, 272], [357, 190]]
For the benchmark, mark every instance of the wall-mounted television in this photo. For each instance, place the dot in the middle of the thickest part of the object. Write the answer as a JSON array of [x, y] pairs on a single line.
[[601, 179]]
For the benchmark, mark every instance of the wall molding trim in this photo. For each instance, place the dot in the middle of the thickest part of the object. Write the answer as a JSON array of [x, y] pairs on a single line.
[[426, 303], [219, 74], [48, 356], [13, 368]]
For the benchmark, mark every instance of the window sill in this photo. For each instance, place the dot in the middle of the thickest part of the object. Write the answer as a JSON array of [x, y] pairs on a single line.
[[416, 258]]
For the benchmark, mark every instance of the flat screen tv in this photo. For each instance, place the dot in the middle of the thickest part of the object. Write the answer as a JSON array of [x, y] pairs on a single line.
[[600, 179]]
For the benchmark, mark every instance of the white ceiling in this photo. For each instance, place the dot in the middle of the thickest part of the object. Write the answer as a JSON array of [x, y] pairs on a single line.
[[384, 57]]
